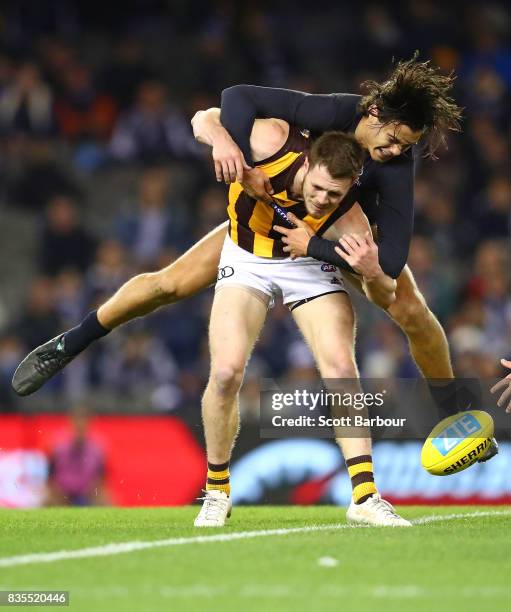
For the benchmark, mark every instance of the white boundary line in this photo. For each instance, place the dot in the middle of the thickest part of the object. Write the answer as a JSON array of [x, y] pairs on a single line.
[[127, 547], [434, 518]]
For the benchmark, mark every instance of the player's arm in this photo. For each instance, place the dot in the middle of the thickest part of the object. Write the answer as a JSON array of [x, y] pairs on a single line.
[[227, 156], [267, 137], [356, 252], [303, 241], [243, 104], [361, 252], [395, 185], [504, 386], [358, 249]]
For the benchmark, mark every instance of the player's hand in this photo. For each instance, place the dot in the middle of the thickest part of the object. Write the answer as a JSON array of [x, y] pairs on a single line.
[[256, 184], [361, 252], [504, 385], [296, 240], [229, 160]]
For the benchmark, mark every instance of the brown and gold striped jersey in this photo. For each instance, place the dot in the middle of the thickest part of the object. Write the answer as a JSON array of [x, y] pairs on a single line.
[[251, 221]]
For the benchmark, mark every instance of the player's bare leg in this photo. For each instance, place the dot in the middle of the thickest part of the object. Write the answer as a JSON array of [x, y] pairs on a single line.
[[194, 271], [237, 316], [428, 346], [426, 339], [333, 347]]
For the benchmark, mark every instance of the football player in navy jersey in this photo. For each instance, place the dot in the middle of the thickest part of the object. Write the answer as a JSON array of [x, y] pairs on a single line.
[[413, 104]]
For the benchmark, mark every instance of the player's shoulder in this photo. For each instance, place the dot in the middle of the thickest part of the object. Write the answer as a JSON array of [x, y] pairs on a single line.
[[268, 137], [347, 98], [402, 164]]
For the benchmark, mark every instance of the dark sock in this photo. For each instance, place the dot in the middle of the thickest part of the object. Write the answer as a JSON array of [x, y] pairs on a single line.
[[444, 395], [455, 395], [78, 338]]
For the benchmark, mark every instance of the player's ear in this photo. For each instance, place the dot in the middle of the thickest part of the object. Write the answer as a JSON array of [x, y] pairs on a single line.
[[306, 164], [374, 115], [373, 111]]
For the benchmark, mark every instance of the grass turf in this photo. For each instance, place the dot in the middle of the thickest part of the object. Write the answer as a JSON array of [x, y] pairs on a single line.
[[457, 564]]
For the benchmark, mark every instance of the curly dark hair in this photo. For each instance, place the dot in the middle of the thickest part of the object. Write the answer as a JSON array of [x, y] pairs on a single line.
[[339, 152], [417, 95]]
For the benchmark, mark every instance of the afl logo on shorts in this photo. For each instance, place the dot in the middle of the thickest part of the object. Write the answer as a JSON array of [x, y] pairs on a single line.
[[225, 272], [328, 268]]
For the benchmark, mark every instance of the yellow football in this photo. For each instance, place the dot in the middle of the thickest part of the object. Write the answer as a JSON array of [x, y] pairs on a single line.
[[457, 442]]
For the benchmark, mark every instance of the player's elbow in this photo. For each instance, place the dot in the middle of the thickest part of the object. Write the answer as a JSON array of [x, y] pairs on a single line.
[[235, 90], [203, 122], [196, 121], [392, 264], [237, 96]]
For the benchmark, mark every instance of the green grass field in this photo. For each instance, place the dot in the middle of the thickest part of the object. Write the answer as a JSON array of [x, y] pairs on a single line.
[[444, 562]]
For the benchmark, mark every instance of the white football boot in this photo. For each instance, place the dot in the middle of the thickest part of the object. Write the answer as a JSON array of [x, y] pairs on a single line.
[[375, 511], [215, 509]]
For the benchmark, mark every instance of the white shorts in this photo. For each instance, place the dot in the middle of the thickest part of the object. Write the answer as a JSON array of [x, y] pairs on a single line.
[[300, 280]]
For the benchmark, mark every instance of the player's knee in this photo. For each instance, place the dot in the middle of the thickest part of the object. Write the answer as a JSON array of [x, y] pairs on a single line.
[[226, 377], [410, 312], [339, 366]]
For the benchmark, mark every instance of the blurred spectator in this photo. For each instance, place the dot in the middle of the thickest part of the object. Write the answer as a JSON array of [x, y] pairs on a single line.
[[489, 287], [489, 27], [6, 71], [127, 70], [11, 353], [183, 328], [83, 114], [493, 208], [77, 467], [486, 96], [154, 129], [138, 365], [158, 67], [64, 242], [109, 270], [262, 49], [34, 173], [437, 221], [85, 117], [26, 105], [212, 211], [151, 227], [436, 282], [275, 342], [381, 29], [38, 320], [386, 353], [302, 368], [429, 24], [434, 278], [69, 297], [491, 259], [58, 57]]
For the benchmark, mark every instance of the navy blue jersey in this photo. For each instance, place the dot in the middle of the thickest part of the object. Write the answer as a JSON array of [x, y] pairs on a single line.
[[384, 189]]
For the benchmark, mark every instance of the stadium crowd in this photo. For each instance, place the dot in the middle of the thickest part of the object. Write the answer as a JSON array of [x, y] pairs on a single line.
[[97, 151]]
